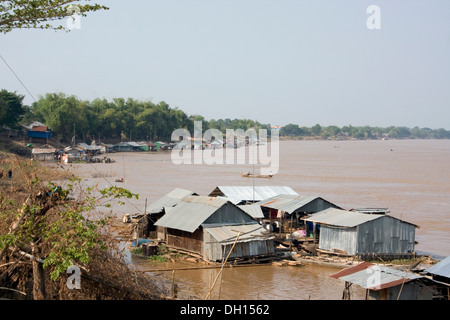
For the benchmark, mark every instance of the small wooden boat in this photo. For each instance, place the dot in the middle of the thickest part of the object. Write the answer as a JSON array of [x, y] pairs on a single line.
[[251, 175]]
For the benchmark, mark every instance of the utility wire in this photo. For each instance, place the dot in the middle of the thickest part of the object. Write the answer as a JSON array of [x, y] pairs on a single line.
[[17, 77]]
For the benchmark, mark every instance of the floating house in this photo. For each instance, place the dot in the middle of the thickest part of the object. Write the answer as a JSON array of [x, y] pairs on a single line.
[[440, 273], [124, 147], [107, 148], [289, 209], [366, 235], [384, 283], [171, 199], [136, 146], [88, 149], [250, 194], [155, 210], [209, 226], [254, 210]]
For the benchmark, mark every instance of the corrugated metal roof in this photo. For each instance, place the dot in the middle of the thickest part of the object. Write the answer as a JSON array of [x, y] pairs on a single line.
[[375, 277], [43, 149], [169, 200], [88, 147], [342, 218], [288, 202], [227, 234], [441, 268], [190, 212], [134, 144], [254, 210], [237, 194]]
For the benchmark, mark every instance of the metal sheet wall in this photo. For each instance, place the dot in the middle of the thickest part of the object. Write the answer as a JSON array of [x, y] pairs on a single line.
[[215, 251], [338, 238], [386, 235], [229, 213]]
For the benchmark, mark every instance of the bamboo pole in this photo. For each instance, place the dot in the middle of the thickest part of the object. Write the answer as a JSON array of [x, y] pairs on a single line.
[[221, 270]]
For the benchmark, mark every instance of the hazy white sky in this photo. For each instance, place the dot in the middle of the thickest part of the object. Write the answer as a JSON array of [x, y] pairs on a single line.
[[275, 61]]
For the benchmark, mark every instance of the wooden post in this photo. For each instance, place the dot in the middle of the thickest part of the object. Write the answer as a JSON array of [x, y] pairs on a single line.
[[173, 283], [290, 235], [38, 275]]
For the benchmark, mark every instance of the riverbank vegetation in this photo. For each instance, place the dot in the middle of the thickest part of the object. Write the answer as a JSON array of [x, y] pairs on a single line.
[[134, 120], [50, 228], [362, 132]]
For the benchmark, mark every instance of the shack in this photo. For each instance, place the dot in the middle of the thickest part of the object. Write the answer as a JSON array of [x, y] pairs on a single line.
[[285, 211], [136, 146], [366, 235], [107, 148], [254, 210], [208, 227], [89, 150], [157, 209], [440, 273], [124, 147], [44, 153], [169, 200], [385, 283], [250, 194], [39, 132]]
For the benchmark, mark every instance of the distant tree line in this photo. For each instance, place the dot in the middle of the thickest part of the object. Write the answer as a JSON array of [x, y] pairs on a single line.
[[119, 119], [129, 119], [362, 132]]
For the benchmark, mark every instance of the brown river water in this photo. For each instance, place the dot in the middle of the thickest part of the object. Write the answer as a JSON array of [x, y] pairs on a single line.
[[410, 177]]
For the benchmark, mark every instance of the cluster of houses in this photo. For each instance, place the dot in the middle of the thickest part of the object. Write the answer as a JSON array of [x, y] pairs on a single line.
[[40, 134], [275, 213], [241, 222]]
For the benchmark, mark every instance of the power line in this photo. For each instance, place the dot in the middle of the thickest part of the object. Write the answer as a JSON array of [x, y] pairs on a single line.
[[17, 77]]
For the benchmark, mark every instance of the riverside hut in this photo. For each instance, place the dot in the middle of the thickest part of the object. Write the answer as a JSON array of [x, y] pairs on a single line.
[[358, 233], [155, 210], [288, 209], [440, 273], [169, 200], [385, 283], [208, 227], [44, 153]]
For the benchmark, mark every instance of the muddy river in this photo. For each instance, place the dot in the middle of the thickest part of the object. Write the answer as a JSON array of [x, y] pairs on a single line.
[[410, 177]]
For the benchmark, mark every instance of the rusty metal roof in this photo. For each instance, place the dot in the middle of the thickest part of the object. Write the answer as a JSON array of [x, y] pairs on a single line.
[[375, 277]]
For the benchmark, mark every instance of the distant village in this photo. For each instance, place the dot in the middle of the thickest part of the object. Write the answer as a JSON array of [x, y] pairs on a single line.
[[40, 137]]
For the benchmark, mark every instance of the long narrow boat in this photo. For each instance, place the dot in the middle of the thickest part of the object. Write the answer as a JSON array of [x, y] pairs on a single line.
[[251, 175]]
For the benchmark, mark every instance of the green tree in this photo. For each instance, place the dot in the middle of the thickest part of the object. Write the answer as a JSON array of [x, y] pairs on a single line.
[[290, 130], [16, 14], [53, 223], [11, 108], [61, 113], [316, 130]]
